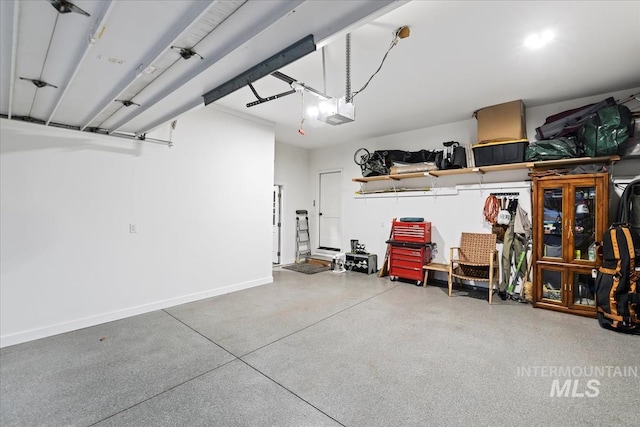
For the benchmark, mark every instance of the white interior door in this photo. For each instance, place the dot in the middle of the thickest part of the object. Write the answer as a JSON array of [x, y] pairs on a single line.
[[329, 211], [277, 222]]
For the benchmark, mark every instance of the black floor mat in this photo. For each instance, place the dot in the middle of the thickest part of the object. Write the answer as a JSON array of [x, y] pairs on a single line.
[[307, 267]]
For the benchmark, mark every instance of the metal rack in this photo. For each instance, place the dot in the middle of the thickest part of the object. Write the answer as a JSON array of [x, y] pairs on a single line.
[[511, 194]]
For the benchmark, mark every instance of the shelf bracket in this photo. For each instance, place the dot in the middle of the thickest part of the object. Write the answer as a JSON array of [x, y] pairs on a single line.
[[395, 191], [434, 180], [480, 173], [611, 171], [363, 189]]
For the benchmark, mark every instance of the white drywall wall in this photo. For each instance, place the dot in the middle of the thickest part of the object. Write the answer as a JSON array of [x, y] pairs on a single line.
[[68, 260]]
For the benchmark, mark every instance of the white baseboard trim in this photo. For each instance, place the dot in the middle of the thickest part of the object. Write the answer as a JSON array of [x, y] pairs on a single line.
[[59, 328]]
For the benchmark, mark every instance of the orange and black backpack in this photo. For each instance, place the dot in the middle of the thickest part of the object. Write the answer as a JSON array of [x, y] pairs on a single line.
[[618, 280]]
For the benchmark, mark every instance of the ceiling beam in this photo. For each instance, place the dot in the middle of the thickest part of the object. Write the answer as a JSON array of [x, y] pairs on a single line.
[[254, 31], [101, 18], [193, 15], [367, 12], [286, 56], [14, 52]]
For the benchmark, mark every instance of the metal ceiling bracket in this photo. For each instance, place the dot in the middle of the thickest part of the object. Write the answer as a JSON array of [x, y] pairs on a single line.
[[64, 6], [288, 80], [275, 62], [291, 80], [127, 103], [185, 52], [38, 83], [262, 100]]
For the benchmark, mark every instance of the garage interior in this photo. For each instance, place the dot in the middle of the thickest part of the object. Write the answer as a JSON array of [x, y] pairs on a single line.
[[144, 146]]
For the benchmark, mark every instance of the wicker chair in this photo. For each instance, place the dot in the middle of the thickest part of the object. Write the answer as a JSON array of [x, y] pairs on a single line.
[[477, 259]]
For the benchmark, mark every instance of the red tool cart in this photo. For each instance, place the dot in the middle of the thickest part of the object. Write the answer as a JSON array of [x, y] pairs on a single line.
[[409, 250]]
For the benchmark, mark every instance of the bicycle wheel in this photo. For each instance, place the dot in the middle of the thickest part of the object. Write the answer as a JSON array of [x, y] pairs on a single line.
[[361, 156]]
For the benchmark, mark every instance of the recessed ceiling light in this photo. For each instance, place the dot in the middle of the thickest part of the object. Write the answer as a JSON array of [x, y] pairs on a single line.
[[537, 40]]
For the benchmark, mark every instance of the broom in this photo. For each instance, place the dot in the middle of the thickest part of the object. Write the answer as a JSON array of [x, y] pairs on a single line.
[[527, 285]]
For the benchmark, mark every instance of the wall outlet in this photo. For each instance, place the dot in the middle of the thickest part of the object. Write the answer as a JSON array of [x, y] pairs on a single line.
[[133, 228]]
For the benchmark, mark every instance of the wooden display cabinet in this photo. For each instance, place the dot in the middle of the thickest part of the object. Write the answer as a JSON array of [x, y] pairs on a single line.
[[570, 214]]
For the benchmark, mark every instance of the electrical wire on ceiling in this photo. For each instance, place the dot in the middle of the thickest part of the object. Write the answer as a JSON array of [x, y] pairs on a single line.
[[400, 33]]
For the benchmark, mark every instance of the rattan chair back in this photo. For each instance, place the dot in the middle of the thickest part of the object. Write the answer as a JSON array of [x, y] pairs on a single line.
[[477, 248]]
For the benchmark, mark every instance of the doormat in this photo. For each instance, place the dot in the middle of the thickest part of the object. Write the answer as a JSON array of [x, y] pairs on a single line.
[[308, 267]]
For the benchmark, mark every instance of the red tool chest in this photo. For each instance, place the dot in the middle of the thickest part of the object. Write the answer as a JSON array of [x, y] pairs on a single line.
[[409, 250], [417, 232]]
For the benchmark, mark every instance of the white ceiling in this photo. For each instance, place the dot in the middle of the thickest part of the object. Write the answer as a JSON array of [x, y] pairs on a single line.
[[460, 56]]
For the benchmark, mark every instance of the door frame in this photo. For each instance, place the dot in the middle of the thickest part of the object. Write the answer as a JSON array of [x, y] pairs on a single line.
[[316, 207], [279, 221]]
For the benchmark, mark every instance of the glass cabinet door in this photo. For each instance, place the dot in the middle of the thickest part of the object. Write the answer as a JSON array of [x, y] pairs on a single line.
[[553, 223], [552, 284], [583, 225], [583, 287]]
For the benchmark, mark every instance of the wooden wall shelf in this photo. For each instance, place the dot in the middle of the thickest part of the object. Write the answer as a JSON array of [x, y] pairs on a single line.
[[541, 165]]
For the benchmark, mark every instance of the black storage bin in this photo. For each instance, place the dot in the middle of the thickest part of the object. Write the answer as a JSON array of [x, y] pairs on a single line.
[[498, 153]]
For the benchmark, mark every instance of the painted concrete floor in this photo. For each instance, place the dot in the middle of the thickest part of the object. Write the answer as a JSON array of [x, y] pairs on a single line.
[[328, 350]]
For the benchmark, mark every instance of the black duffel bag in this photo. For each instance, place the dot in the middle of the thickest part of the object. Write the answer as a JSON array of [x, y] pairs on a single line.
[[394, 157]]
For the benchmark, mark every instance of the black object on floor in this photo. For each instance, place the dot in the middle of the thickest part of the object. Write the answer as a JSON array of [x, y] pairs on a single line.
[[307, 267]]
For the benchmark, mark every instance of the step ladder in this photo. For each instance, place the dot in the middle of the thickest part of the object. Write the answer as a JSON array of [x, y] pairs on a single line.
[[303, 245]]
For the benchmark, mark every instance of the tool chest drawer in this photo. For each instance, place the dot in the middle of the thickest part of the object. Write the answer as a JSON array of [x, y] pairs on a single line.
[[418, 232], [408, 262], [396, 272]]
